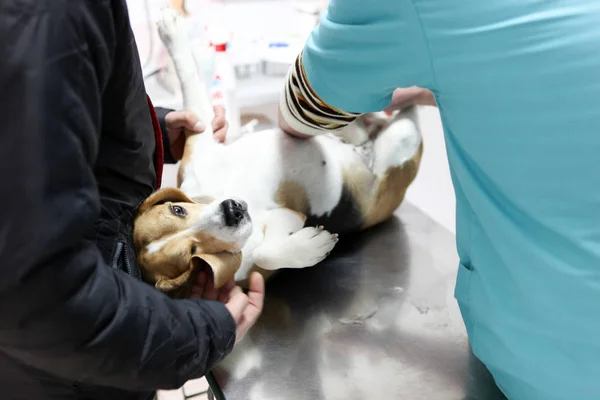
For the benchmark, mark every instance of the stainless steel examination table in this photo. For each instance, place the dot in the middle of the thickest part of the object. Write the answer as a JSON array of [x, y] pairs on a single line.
[[377, 321]]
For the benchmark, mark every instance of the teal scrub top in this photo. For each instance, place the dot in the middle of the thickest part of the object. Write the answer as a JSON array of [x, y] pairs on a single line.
[[518, 87]]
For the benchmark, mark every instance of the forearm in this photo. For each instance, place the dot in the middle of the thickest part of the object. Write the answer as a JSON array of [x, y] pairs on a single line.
[[302, 112], [351, 64], [84, 321], [284, 126]]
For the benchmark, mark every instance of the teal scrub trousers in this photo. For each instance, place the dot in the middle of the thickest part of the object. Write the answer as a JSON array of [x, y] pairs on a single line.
[[518, 87]]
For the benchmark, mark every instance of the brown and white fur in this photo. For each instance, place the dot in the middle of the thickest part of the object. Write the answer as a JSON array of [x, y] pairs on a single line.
[[176, 238], [292, 187]]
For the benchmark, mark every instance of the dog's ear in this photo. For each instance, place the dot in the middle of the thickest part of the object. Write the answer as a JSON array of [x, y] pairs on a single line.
[[162, 196], [179, 267], [224, 265], [170, 267], [171, 284]]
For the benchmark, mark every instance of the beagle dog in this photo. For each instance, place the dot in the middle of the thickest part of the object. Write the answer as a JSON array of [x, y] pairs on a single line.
[[176, 237], [261, 203]]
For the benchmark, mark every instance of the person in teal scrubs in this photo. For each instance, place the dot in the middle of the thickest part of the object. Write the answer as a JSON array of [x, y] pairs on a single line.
[[517, 83]]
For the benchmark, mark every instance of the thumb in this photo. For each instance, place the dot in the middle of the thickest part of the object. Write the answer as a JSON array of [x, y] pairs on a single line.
[[192, 122], [198, 127], [237, 303]]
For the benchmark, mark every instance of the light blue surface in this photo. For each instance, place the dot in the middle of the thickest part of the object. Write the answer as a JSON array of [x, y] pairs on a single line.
[[518, 86]]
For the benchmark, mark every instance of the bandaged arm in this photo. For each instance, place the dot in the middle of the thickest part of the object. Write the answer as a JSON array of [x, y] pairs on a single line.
[[352, 63]]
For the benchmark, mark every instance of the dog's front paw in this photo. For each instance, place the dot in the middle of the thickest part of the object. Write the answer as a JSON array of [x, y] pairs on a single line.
[[309, 246], [171, 26]]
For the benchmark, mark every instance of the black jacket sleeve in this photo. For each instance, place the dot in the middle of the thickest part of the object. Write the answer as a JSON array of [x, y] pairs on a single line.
[[161, 113], [62, 309]]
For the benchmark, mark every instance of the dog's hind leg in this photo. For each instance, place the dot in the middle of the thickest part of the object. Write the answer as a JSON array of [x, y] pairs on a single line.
[[174, 35], [398, 151], [397, 143]]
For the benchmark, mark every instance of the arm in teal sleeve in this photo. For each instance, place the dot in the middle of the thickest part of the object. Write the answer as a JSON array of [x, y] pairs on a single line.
[[352, 63], [361, 52]]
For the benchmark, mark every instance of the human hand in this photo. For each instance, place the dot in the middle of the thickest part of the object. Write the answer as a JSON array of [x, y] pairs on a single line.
[[204, 288], [182, 124], [412, 96], [244, 308]]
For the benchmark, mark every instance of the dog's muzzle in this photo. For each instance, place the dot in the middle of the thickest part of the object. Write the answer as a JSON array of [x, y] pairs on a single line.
[[234, 212]]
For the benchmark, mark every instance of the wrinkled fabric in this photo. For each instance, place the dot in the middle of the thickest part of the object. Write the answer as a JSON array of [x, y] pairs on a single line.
[[161, 113], [159, 151], [518, 87], [77, 151]]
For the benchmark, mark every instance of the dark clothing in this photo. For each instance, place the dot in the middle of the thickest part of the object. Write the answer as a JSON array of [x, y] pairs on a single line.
[[77, 153], [161, 113]]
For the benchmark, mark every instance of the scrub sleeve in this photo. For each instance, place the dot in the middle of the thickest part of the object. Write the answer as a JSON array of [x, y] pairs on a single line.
[[518, 88], [358, 55]]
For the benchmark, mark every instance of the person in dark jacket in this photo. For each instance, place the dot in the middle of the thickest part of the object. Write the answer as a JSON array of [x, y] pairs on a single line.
[[80, 149]]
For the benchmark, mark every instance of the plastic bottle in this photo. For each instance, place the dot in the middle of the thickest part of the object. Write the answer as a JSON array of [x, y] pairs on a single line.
[[204, 56], [223, 90]]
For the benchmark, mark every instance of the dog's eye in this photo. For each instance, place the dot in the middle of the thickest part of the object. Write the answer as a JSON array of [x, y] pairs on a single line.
[[178, 210]]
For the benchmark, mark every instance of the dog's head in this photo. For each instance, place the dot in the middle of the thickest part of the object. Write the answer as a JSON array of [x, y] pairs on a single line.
[[176, 237]]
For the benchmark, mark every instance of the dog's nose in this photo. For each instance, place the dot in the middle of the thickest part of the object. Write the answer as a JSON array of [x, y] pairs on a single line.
[[233, 211]]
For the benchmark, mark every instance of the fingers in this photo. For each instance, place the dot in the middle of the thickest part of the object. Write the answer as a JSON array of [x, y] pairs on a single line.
[[256, 290], [228, 286], [184, 119], [237, 303], [189, 123], [223, 297], [198, 288], [402, 98], [204, 289], [210, 293], [244, 309], [406, 97], [219, 113], [219, 124], [226, 290], [221, 134], [256, 298], [201, 280]]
